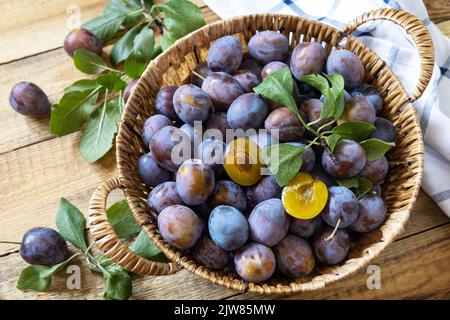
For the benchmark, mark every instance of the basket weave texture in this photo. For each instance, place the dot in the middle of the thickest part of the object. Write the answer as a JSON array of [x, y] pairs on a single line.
[[174, 67]]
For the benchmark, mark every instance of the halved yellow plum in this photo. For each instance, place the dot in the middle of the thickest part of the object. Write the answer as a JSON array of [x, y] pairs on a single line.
[[304, 197]]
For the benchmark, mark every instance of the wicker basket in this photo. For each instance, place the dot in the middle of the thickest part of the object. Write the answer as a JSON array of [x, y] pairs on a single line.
[[174, 66]]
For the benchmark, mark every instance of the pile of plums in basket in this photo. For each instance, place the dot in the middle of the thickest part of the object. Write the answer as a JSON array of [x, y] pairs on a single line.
[[227, 215]]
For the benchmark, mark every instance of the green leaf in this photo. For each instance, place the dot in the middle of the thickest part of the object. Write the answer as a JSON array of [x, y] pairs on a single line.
[[89, 62], [71, 224], [122, 220], [364, 186], [352, 182], [278, 88], [135, 65], [283, 160], [354, 130], [144, 43], [124, 46], [73, 111], [147, 4], [118, 285], [131, 10], [334, 95], [112, 82], [337, 92], [97, 138], [180, 16], [166, 40], [114, 109], [50, 271], [81, 86], [105, 27], [145, 247], [332, 140], [30, 279], [376, 148]]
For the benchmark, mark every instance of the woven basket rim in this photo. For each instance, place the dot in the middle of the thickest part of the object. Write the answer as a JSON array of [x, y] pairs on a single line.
[[318, 281]]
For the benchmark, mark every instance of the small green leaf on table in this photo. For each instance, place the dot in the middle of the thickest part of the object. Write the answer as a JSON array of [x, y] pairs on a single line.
[[124, 46], [73, 110], [114, 108], [145, 247], [122, 220], [39, 278], [30, 279], [105, 27], [180, 17], [376, 148], [135, 65], [112, 82], [144, 43], [89, 62], [118, 285], [71, 224], [131, 9], [97, 138], [82, 86]]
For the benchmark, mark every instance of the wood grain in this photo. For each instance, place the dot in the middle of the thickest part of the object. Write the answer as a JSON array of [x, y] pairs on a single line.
[[438, 10], [52, 71], [29, 27], [413, 268], [34, 178]]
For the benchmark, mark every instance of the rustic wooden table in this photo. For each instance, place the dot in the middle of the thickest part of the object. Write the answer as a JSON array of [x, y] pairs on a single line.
[[36, 169]]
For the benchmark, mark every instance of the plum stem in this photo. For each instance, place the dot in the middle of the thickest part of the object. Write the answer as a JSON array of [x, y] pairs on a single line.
[[330, 237], [198, 75], [9, 242]]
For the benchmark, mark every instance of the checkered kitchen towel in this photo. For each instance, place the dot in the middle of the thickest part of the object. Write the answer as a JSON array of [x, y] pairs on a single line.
[[392, 45]]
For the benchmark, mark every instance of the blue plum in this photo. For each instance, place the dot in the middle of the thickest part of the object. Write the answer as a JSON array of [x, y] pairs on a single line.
[[150, 172], [342, 206], [294, 257], [268, 46], [228, 227], [225, 55], [162, 196], [307, 58], [268, 222], [347, 64], [192, 104], [43, 246], [246, 112]]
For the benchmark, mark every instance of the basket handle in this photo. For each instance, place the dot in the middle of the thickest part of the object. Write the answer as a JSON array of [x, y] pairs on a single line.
[[413, 27], [107, 241]]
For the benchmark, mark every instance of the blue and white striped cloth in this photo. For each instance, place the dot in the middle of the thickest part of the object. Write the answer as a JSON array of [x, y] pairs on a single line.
[[392, 45]]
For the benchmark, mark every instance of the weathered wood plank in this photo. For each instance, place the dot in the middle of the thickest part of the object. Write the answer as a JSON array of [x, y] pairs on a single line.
[[52, 71], [34, 178], [182, 285], [31, 27], [438, 10], [413, 268]]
